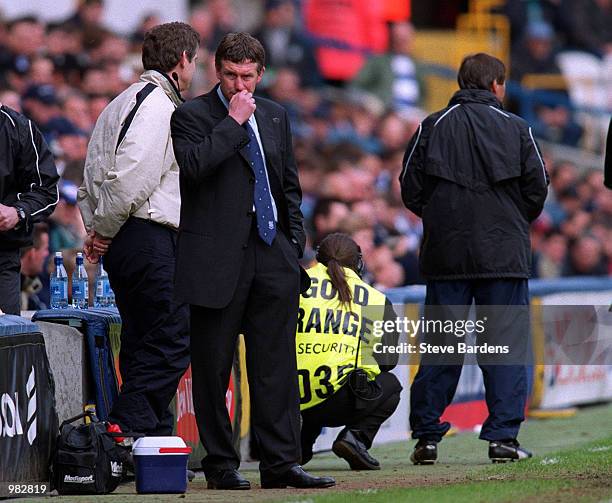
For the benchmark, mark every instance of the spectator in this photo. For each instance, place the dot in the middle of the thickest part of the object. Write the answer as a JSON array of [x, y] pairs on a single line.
[[88, 15], [65, 48], [552, 259], [66, 230], [25, 39], [41, 105], [520, 14], [536, 52], [586, 258], [148, 22], [76, 109], [285, 45], [33, 260], [394, 77], [41, 71], [326, 217], [203, 22], [552, 121], [590, 25]]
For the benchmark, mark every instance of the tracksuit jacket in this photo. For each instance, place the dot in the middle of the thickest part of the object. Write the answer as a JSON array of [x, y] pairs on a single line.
[[28, 177], [475, 175], [139, 177]]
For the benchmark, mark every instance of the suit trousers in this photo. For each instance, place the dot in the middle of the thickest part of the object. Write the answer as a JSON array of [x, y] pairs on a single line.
[[263, 308], [506, 385], [10, 288], [155, 328], [341, 409]]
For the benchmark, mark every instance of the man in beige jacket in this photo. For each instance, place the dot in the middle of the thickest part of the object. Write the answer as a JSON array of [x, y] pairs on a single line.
[[130, 204]]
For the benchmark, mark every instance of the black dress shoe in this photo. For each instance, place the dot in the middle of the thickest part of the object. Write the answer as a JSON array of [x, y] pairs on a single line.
[[501, 451], [425, 452], [227, 479], [348, 447], [297, 477]]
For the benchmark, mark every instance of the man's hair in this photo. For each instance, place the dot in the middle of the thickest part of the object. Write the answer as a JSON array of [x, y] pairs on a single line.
[[164, 44], [240, 48], [479, 71], [20, 20], [37, 234]]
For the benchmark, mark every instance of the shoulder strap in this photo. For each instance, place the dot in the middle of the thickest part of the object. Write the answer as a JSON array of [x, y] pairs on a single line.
[[140, 97]]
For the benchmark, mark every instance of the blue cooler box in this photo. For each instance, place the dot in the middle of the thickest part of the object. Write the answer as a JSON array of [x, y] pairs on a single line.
[[161, 464]]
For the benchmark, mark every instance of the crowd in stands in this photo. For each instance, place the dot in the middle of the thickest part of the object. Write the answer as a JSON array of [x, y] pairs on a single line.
[[550, 40], [349, 137]]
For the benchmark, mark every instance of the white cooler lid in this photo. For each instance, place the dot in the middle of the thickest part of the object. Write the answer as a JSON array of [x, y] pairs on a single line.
[[153, 446]]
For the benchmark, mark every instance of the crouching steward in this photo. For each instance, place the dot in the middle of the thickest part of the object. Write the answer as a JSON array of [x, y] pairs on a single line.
[[342, 383]]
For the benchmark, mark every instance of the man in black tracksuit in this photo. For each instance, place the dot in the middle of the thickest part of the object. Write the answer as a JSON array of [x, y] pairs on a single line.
[[28, 194], [474, 174]]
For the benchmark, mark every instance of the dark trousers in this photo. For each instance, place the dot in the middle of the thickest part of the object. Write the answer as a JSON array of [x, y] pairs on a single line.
[[10, 285], [264, 308], [155, 328], [363, 419], [506, 387]]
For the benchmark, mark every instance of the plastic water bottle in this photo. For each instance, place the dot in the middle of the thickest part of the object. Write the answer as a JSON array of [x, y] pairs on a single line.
[[104, 297], [59, 284], [80, 285]]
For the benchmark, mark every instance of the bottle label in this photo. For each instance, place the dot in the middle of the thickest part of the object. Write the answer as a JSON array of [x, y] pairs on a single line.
[[99, 288], [80, 290], [59, 290]]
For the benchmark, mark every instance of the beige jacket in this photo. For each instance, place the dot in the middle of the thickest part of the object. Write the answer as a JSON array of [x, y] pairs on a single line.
[[142, 178]]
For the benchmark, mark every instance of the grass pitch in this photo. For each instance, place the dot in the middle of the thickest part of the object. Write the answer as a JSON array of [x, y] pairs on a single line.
[[572, 463]]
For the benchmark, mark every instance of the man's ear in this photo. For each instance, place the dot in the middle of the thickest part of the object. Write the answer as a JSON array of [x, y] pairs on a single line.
[[260, 74], [184, 61], [498, 90]]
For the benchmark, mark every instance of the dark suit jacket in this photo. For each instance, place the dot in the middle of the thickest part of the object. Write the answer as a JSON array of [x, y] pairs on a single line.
[[217, 194]]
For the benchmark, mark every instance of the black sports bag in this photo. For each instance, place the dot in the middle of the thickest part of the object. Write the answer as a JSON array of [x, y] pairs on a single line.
[[87, 460]]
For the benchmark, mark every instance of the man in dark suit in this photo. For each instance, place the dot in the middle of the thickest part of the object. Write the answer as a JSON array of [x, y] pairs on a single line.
[[240, 237]]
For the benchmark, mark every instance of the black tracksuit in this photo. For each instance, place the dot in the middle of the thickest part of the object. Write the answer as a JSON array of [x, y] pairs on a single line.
[[474, 174], [28, 179]]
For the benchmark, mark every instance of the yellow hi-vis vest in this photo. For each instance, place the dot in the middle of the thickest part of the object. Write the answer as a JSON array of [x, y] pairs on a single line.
[[328, 333]]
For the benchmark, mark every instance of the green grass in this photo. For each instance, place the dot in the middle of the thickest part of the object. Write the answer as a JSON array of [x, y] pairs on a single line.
[[572, 463], [583, 474]]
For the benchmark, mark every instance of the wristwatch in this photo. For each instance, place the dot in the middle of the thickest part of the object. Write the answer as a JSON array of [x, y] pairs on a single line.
[[21, 215]]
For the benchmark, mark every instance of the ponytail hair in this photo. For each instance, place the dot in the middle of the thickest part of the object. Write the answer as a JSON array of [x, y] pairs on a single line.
[[337, 251]]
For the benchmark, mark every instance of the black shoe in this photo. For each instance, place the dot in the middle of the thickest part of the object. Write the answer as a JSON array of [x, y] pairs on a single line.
[[297, 477], [425, 452], [227, 479], [348, 447], [501, 451], [190, 475]]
